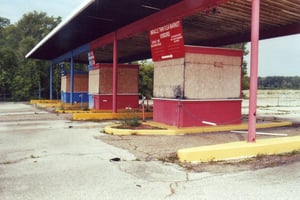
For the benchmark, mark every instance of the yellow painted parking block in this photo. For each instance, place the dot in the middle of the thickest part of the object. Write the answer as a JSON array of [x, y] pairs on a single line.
[[236, 150]]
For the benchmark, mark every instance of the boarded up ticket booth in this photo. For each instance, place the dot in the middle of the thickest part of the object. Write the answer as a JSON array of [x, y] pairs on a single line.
[[80, 94], [203, 87], [100, 86]]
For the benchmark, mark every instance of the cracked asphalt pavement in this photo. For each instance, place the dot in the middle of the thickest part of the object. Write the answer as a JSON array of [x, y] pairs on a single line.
[[45, 156]]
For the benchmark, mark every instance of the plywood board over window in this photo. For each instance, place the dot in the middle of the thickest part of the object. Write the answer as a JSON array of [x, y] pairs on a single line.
[[94, 81], [80, 83], [204, 73], [168, 78], [64, 84], [212, 76], [101, 79]]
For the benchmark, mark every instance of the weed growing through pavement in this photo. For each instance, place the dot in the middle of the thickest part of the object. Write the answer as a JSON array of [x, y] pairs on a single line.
[[131, 119]]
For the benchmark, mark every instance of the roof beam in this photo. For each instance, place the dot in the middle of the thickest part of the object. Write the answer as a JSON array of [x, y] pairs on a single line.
[[245, 37], [172, 13], [282, 31], [75, 52]]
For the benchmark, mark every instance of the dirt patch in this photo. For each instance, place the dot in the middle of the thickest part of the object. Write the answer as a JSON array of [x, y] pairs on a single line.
[[164, 148]]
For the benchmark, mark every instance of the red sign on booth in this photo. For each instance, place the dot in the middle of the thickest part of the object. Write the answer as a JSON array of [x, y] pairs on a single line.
[[167, 42]]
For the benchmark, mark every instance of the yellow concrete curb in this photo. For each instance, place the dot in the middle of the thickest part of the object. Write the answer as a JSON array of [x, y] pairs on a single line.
[[107, 116], [72, 111], [60, 106], [48, 105], [237, 150], [171, 130], [116, 131], [36, 101]]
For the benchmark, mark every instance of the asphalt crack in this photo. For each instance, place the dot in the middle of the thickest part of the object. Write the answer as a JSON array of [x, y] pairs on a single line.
[[32, 156], [9, 162]]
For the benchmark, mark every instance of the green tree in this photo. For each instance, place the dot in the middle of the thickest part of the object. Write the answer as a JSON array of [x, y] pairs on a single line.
[[4, 22], [22, 78], [279, 82], [146, 79], [8, 67]]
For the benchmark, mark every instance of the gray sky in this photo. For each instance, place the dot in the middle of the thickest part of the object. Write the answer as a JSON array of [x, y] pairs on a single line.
[[277, 57]]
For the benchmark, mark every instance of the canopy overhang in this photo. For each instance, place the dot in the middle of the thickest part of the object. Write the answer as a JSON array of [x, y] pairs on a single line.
[[119, 31], [205, 22]]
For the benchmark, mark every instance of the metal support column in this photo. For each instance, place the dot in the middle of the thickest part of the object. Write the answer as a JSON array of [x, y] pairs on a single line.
[[115, 73], [51, 81], [40, 90], [253, 71], [71, 79]]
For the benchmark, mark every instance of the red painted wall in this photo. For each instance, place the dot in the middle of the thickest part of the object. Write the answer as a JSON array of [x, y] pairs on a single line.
[[187, 113], [104, 102]]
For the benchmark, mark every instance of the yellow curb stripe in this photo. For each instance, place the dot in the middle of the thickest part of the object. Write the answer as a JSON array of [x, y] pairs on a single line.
[[48, 105], [107, 116], [171, 130], [236, 150], [116, 131], [36, 101]]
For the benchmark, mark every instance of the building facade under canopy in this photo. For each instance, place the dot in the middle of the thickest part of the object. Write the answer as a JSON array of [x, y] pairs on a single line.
[[119, 32]]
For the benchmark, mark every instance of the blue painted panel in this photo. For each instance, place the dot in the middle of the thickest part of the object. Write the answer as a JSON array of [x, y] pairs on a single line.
[[77, 97]]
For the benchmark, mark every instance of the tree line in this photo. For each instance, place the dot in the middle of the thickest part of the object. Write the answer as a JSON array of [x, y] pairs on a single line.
[[22, 79], [279, 82]]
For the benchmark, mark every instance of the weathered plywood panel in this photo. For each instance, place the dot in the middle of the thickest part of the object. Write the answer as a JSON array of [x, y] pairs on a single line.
[[81, 83], [198, 76], [63, 84], [212, 76], [168, 78], [106, 80], [128, 80], [212, 59], [101, 79], [94, 77]]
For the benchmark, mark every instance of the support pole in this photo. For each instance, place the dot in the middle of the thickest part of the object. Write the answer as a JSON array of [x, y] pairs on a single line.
[[51, 81], [71, 80], [115, 73], [40, 90], [253, 71]]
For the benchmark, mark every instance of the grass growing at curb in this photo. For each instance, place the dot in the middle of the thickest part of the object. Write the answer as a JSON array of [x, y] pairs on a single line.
[[131, 119], [252, 163]]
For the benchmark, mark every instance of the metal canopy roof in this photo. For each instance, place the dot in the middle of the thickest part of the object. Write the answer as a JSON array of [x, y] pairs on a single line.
[[222, 22]]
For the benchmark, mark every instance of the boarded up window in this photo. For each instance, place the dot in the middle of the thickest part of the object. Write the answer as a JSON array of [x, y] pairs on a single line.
[[199, 75]]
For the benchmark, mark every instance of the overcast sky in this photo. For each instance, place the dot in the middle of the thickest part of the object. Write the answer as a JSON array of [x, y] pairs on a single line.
[[277, 57]]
